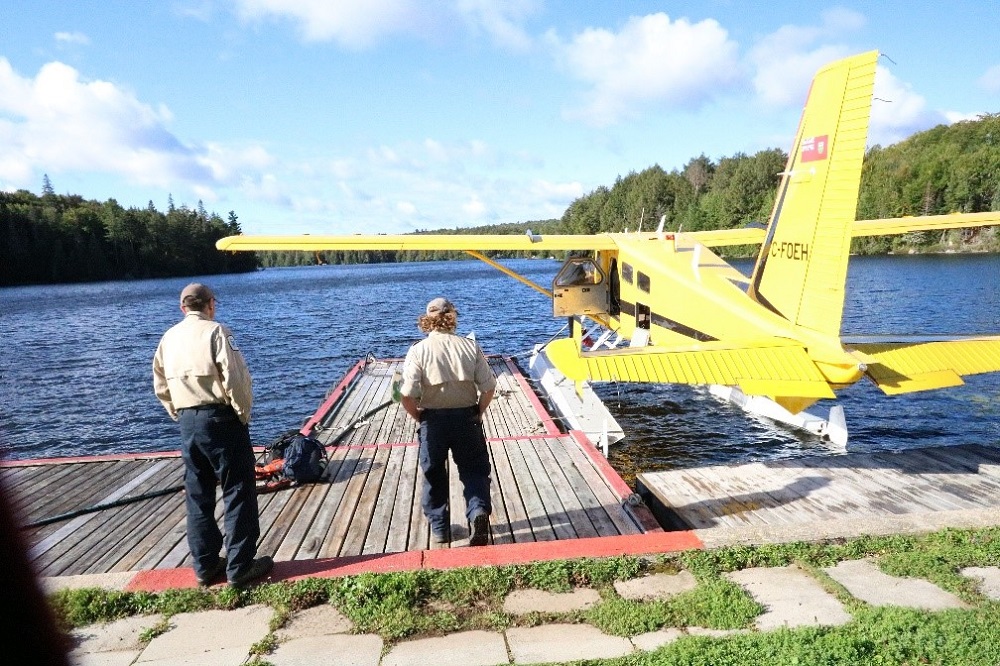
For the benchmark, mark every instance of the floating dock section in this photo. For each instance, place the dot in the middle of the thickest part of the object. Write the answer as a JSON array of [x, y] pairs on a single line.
[[831, 496]]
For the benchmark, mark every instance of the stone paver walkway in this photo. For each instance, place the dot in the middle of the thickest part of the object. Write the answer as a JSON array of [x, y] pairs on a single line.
[[790, 596], [864, 580]]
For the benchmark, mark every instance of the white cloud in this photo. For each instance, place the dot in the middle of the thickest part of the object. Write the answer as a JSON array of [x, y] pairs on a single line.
[[406, 208], [474, 207], [58, 122], [436, 150], [786, 60], [342, 168], [561, 193], [898, 111], [651, 62], [990, 81], [267, 189], [500, 20], [352, 23], [227, 164], [205, 194], [72, 38], [360, 24], [201, 10], [952, 117]]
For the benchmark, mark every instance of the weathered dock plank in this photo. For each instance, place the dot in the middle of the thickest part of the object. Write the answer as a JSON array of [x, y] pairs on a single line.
[[826, 488]]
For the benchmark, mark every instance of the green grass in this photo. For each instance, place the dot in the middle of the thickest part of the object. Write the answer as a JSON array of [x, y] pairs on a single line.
[[876, 637], [428, 603]]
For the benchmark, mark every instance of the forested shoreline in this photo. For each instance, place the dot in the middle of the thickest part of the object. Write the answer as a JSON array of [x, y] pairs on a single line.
[[52, 238]]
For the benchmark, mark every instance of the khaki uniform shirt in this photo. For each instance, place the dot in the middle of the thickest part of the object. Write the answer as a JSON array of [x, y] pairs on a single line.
[[198, 363], [445, 371]]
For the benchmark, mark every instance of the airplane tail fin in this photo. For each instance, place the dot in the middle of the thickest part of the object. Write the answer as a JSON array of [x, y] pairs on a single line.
[[802, 267]]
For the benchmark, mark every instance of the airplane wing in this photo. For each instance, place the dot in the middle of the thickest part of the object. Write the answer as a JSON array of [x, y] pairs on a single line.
[[458, 242], [905, 367], [475, 242], [770, 368], [528, 242]]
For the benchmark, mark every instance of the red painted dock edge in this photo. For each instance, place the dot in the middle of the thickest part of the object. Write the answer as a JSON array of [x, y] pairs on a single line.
[[550, 425], [334, 396], [652, 543], [641, 512]]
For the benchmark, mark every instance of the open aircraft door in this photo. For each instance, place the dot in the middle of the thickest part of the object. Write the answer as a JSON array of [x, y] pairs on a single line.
[[580, 288]]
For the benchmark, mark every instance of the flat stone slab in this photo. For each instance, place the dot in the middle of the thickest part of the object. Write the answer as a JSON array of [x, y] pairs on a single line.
[[656, 586], [116, 636], [328, 650], [315, 621], [988, 577], [790, 597], [108, 581], [213, 638], [468, 648], [522, 602], [865, 580], [655, 639], [564, 642]]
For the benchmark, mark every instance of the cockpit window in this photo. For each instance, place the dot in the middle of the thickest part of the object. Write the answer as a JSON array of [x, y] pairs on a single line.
[[579, 271]]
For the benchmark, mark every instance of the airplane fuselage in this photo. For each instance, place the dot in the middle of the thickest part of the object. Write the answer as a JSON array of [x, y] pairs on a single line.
[[683, 293]]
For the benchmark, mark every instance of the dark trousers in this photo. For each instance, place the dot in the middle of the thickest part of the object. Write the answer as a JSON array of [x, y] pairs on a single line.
[[217, 450], [461, 432]]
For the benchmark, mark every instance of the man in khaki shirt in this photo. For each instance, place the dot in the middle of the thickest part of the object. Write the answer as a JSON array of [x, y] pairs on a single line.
[[203, 382], [447, 386]]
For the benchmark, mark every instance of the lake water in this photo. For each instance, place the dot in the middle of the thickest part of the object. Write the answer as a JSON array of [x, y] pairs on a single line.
[[75, 360]]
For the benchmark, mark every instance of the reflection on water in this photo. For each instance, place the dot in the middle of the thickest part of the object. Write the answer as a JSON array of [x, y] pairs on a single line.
[[75, 360]]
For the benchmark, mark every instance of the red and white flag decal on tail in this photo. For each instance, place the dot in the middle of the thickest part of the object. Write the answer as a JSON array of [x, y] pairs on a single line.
[[814, 148]]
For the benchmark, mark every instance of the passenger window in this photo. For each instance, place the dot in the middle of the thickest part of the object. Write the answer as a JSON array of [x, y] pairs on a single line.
[[643, 282], [627, 272]]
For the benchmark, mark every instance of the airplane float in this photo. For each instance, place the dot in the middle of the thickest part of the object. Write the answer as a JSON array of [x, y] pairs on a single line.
[[670, 310]]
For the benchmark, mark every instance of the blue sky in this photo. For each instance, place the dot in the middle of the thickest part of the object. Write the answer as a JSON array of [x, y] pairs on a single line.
[[327, 116]]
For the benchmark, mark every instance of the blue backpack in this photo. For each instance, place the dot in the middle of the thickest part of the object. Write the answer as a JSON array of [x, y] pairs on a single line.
[[304, 457]]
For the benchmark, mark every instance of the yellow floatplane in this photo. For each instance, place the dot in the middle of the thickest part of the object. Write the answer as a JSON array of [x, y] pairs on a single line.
[[673, 311]]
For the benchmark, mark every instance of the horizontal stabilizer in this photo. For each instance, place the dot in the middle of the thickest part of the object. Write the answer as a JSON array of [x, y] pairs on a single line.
[[905, 367], [904, 225], [775, 370]]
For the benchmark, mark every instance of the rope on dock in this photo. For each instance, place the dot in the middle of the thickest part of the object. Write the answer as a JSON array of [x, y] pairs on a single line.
[[101, 507]]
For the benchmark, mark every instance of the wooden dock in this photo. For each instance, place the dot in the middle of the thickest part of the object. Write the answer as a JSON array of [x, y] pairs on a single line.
[[858, 488], [548, 485]]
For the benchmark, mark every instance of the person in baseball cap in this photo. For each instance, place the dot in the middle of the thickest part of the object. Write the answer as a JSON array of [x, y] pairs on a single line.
[[202, 379], [197, 295], [447, 386]]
